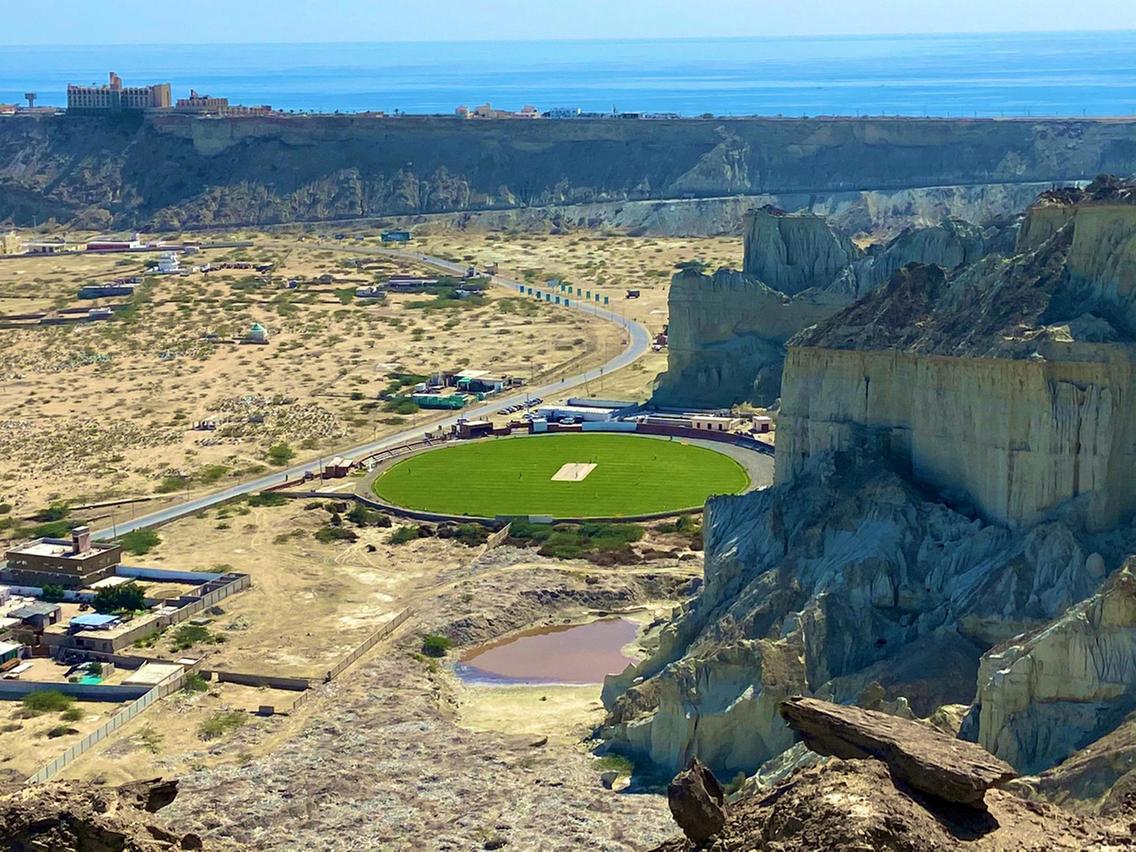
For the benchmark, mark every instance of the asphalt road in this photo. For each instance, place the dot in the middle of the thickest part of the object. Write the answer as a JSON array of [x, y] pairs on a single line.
[[639, 340]]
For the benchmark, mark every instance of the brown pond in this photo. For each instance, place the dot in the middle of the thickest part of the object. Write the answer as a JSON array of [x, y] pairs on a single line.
[[583, 653]]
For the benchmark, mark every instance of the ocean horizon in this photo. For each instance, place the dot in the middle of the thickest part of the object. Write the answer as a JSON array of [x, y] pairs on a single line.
[[985, 75]]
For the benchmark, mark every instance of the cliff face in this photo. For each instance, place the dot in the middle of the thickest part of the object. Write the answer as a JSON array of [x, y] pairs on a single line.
[[1043, 697], [180, 171], [954, 474], [728, 331], [845, 577], [1009, 382]]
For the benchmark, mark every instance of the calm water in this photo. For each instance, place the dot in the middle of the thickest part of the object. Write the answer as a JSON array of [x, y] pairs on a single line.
[[581, 654], [989, 75]]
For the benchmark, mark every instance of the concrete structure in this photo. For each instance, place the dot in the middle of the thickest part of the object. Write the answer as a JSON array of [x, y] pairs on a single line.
[[115, 97], [70, 564], [486, 110], [38, 615], [102, 291], [10, 243], [151, 674], [107, 244], [9, 653], [168, 264], [93, 621], [257, 333], [396, 236], [198, 103], [579, 413]]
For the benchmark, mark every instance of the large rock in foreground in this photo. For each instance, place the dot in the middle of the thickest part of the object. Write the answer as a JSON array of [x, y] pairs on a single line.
[[853, 805], [696, 801], [69, 815], [917, 756]]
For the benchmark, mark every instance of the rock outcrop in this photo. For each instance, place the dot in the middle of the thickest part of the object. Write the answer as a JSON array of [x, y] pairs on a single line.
[[1044, 696], [847, 576], [697, 801], [922, 759], [728, 330], [1009, 382], [70, 816], [249, 171], [853, 805], [955, 464]]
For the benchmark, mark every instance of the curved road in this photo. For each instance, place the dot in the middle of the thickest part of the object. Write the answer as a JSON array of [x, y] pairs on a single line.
[[638, 343]]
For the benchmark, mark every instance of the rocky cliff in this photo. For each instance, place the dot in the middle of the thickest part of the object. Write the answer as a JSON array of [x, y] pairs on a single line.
[[954, 465], [1009, 382], [181, 171], [728, 330]]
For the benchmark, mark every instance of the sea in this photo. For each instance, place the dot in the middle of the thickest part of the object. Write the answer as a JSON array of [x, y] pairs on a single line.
[[1009, 74]]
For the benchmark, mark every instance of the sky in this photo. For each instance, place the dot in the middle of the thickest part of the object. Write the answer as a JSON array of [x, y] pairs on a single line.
[[66, 22]]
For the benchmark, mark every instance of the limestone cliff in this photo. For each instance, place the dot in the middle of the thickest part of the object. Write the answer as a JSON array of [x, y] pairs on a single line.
[[177, 171], [846, 576], [728, 330], [1009, 382], [1044, 696]]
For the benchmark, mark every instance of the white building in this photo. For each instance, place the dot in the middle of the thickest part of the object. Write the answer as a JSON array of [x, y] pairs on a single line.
[[168, 264]]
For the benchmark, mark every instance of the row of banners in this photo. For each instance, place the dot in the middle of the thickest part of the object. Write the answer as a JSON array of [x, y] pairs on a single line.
[[581, 294]]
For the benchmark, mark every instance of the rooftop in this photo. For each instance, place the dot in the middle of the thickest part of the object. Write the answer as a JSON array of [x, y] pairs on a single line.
[[94, 620], [8, 647], [33, 609], [59, 547]]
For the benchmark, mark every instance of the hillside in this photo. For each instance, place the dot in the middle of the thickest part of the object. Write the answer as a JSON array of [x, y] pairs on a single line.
[[177, 171]]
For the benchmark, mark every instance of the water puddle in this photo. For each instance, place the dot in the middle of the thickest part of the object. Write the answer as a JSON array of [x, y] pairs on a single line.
[[580, 654]]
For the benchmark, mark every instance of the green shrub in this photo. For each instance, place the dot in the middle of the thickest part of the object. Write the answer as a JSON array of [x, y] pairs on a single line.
[[171, 483], [434, 645], [470, 535], [267, 499], [332, 533], [195, 682], [401, 405], [52, 529], [60, 731], [45, 701], [128, 596], [220, 723], [54, 512], [5, 508], [139, 542], [211, 473], [280, 454], [189, 635], [365, 516], [52, 593], [404, 534], [615, 763], [72, 714]]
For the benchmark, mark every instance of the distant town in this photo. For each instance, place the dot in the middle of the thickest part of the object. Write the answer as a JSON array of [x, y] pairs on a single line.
[[116, 97]]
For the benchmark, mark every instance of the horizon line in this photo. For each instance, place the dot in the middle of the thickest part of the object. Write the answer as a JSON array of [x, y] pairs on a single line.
[[591, 40]]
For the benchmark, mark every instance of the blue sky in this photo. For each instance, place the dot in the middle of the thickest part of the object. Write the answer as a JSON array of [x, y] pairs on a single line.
[[156, 21]]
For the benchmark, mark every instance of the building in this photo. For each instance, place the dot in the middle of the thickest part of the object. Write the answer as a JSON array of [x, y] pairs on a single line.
[[197, 103], [168, 264], [10, 243], [9, 654], [115, 97], [107, 244], [486, 110], [395, 236], [257, 333], [58, 562], [762, 424], [93, 621], [103, 291], [37, 616], [577, 413]]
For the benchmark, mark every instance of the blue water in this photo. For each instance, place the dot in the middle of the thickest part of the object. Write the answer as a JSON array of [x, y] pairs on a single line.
[[1068, 74]]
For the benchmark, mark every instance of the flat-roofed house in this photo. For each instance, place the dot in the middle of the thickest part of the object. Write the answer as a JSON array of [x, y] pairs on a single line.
[[59, 562]]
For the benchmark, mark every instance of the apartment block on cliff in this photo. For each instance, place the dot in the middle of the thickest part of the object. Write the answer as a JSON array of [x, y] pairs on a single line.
[[115, 97], [207, 105]]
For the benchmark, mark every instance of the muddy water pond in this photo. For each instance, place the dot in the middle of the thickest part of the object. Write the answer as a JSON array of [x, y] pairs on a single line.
[[583, 653]]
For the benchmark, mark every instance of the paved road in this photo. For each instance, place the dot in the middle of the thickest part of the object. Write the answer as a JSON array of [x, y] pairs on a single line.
[[639, 340]]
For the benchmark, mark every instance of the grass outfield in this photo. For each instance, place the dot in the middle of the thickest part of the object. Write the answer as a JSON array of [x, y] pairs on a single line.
[[513, 476]]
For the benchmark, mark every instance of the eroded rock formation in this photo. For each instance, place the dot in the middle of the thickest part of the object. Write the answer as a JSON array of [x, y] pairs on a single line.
[[728, 330], [71, 816], [955, 474], [1010, 382]]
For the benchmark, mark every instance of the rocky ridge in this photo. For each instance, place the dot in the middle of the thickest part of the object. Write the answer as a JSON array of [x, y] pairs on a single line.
[[728, 330]]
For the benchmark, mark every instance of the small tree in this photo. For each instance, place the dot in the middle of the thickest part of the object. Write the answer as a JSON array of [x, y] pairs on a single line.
[[52, 593], [434, 645], [280, 453], [128, 596]]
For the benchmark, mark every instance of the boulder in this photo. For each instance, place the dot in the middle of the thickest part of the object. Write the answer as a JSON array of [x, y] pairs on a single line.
[[916, 755], [697, 802]]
